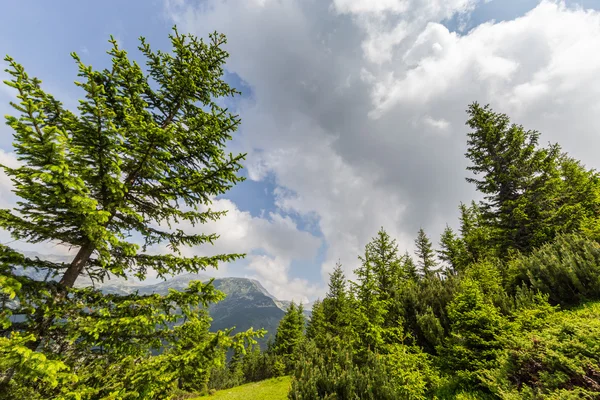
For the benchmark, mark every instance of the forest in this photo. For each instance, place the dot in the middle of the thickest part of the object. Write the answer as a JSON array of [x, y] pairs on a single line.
[[505, 307]]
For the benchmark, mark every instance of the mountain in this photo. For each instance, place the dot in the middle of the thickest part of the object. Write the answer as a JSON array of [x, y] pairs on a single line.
[[247, 303]]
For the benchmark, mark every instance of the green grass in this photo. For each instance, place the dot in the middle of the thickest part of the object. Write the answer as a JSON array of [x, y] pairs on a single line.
[[271, 389]]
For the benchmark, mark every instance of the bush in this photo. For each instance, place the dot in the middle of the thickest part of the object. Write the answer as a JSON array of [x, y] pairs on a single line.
[[550, 355], [568, 270], [332, 374]]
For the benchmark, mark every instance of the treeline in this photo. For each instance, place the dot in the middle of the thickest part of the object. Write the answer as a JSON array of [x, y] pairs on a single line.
[[502, 309]]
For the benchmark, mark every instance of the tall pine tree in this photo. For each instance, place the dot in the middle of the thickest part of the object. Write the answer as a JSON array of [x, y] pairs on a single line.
[[425, 254], [143, 153], [519, 179]]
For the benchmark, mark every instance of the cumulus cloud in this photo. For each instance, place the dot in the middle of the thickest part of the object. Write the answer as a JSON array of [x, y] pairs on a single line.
[[358, 106], [273, 240], [273, 273]]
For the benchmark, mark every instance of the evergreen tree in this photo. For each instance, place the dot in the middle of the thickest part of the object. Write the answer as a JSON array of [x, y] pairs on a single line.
[[369, 314], [336, 311], [290, 334], [144, 151], [475, 234], [383, 253], [476, 334], [452, 251], [409, 269], [577, 209], [425, 254], [316, 328], [519, 180]]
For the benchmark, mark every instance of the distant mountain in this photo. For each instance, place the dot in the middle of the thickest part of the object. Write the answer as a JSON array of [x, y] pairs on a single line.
[[247, 303]]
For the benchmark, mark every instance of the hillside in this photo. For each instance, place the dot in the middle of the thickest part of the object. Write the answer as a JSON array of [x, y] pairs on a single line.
[[247, 303]]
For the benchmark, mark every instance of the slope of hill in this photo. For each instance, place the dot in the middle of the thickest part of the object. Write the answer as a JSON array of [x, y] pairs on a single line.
[[247, 303]]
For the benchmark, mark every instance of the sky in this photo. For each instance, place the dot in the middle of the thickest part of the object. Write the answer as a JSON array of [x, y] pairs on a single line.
[[353, 111]]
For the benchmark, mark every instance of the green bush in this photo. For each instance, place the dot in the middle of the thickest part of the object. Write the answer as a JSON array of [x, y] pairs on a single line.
[[403, 373], [557, 359], [568, 270]]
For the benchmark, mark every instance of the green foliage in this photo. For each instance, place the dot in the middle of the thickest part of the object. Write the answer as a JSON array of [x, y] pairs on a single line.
[[531, 193], [453, 252], [519, 179], [332, 374], [336, 306], [554, 357], [489, 321], [143, 152], [425, 254], [290, 335], [476, 332], [317, 326], [567, 270]]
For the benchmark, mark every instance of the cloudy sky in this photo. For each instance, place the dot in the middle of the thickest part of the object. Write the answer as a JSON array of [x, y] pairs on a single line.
[[352, 111]]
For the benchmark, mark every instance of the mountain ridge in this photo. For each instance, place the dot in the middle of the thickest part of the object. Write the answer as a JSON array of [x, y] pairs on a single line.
[[248, 304]]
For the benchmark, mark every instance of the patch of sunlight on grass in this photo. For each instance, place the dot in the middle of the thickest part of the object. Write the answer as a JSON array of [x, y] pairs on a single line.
[[270, 389]]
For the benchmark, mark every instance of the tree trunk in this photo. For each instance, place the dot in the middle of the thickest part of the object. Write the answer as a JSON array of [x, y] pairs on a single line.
[[83, 255]]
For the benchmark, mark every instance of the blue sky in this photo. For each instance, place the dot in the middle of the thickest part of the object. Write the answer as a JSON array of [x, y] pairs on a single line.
[[344, 133]]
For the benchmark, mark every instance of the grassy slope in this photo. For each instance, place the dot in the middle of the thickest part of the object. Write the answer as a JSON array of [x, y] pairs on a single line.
[[271, 389]]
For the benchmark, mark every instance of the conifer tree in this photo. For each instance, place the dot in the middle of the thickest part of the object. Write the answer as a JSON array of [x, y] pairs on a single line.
[[477, 329], [316, 329], [520, 181], [371, 308], [425, 254], [336, 303], [409, 269], [143, 153], [383, 253], [476, 234], [452, 251], [290, 334]]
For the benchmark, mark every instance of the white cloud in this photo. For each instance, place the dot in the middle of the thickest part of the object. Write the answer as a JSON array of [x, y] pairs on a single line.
[[276, 236], [356, 152], [273, 273], [439, 124], [7, 197]]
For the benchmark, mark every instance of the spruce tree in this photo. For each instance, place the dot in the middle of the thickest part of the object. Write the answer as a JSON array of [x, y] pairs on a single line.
[[143, 153], [519, 179], [476, 234], [316, 329], [290, 334], [452, 251], [409, 269], [477, 330], [336, 303], [371, 309], [425, 254]]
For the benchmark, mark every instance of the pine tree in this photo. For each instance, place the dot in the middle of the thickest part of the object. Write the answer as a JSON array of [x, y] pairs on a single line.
[[371, 309], [336, 304], [425, 254], [476, 333], [520, 180], [409, 269], [290, 334], [144, 151], [452, 251], [316, 328]]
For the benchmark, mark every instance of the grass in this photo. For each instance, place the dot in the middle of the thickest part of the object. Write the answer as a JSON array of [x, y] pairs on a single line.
[[271, 389]]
